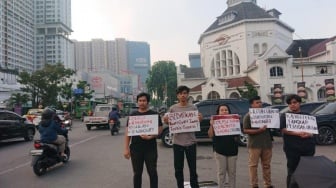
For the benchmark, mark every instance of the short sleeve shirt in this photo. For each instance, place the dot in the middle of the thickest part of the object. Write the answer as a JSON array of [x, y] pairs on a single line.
[[262, 140], [186, 138], [136, 141]]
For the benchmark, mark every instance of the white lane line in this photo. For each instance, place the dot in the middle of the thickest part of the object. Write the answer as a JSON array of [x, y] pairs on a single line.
[[28, 163], [14, 168]]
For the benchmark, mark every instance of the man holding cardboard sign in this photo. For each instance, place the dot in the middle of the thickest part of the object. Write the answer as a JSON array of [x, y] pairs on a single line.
[[259, 146], [184, 118], [297, 128], [142, 128]]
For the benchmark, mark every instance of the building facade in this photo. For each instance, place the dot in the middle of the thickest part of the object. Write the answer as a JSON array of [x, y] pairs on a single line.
[[138, 58], [53, 27], [32, 33], [17, 35], [194, 60], [127, 60], [249, 44]]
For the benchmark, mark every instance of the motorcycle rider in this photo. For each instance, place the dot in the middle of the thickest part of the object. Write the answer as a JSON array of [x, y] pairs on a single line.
[[51, 131], [114, 115]]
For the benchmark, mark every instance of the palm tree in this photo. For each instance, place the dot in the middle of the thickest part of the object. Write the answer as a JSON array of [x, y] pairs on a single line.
[[18, 99]]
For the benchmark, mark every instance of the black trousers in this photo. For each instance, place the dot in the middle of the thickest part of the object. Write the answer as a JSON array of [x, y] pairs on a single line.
[[190, 152], [149, 157], [293, 158]]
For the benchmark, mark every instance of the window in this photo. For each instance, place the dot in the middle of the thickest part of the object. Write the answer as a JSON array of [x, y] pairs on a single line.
[[321, 94], [276, 71], [322, 70], [256, 48], [264, 47]]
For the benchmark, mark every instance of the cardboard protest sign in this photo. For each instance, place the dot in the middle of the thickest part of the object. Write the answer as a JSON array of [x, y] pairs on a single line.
[[226, 124], [265, 116], [301, 123], [180, 122], [143, 125]]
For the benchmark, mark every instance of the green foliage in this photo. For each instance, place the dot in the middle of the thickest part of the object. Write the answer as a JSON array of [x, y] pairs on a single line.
[[45, 85], [249, 93], [162, 81], [18, 99]]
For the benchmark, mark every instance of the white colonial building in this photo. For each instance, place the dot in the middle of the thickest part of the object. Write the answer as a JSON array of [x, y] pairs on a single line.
[[249, 44]]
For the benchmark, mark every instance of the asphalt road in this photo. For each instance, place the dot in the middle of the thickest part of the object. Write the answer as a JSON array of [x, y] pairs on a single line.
[[97, 161]]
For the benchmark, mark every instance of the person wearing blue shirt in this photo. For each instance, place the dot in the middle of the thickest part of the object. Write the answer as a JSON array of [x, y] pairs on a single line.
[[51, 132]]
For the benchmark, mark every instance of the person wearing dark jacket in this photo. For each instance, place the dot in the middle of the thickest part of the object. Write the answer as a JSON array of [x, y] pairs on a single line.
[[51, 132], [296, 144]]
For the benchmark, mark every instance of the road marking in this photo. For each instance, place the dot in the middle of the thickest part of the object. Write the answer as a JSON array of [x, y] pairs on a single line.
[[14, 168], [29, 162]]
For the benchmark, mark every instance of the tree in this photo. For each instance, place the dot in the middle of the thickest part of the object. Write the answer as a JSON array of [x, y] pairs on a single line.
[[249, 93], [45, 85], [18, 99], [162, 81]]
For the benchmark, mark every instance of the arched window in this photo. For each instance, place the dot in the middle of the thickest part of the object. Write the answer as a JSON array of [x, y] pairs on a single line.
[[212, 68], [276, 71], [213, 95], [321, 94], [256, 48], [234, 95], [225, 63], [264, 47]]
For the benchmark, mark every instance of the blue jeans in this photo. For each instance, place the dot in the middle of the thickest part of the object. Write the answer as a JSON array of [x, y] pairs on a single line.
[[190, 152]]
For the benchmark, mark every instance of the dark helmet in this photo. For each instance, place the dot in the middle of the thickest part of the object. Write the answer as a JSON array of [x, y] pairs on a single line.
[[48, 113], [114, 108]]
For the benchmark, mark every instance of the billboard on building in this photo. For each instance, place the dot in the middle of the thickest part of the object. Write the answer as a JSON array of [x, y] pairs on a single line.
[[330, 90]]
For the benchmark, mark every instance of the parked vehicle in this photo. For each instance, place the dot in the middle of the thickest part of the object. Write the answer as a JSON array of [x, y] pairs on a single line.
[[208, 108], [12, 125], [305, 107], [47, 155], [34, 115], [100, 116], [326, 122], [279, 106]]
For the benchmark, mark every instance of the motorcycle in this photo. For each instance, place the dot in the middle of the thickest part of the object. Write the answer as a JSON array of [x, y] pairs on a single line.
[[47, 155], [114, 126], [67, 124]]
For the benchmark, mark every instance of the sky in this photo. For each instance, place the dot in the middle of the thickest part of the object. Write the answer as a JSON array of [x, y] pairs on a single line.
[[172, 28]]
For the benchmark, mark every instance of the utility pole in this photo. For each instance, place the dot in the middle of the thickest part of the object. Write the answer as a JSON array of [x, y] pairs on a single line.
[[300, 51]]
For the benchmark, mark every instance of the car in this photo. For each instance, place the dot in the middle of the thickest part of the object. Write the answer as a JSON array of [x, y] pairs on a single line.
[[305, 107], [34, 115], [208, 108], [12, 125], [278, 106], [326, 123]]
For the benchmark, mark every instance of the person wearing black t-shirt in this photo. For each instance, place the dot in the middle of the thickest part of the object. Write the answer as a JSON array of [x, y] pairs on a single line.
[[143, 149], [225, 151], [296, 144]]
